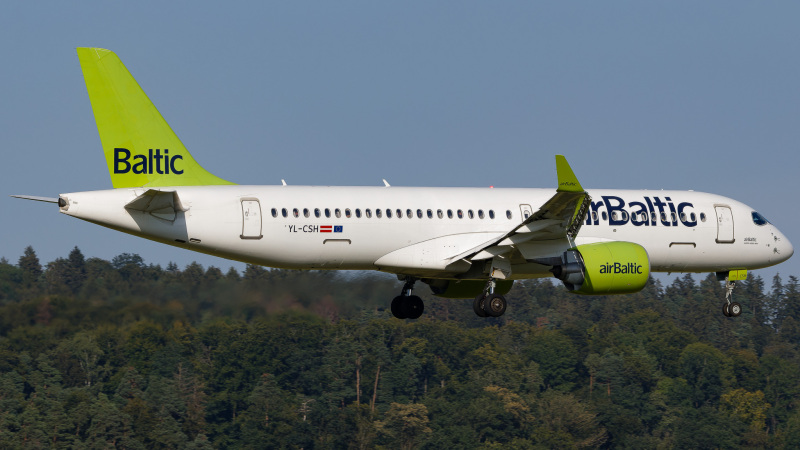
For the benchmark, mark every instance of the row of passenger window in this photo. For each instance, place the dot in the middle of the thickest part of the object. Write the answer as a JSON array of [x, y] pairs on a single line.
[[642, 216], [379, 213], [337, 213]]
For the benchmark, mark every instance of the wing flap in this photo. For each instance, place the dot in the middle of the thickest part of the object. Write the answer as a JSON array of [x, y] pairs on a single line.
[[559, 219]]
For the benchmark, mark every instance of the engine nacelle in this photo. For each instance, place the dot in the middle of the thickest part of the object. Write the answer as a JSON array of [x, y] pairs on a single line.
[[466, 288], [604, 268]]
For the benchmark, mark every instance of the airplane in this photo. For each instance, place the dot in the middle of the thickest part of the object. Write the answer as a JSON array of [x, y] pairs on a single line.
[[467, 243]]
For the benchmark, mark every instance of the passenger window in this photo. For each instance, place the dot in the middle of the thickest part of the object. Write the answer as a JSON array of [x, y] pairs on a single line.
[[388, 213], [316, 212], [605, 216], [347, 213], [358, 213], [378, 213], [449, 213], [283, 212], [419, 214], [491, 214], [594, 216], [480, 213], [614, 215], [338, 213], [683, 217], [399, 213], [460, 214], [368, 213], [693, 217], [327, 213], [409, 213], [470, 215], [508, 214], [296, 213], [274, 212], [430, 214], [702, 217], [439, 213], [305, 212]]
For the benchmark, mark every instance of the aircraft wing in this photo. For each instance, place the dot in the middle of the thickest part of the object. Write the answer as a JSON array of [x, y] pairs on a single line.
[[560, 217]]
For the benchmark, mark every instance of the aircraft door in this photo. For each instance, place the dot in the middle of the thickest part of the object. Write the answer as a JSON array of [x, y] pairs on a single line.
[[526, 211], [251, 219], [724, 224]]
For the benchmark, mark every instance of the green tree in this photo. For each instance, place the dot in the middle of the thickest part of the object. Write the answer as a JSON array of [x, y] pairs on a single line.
[[707, 372], [31, 268], [405, 425]]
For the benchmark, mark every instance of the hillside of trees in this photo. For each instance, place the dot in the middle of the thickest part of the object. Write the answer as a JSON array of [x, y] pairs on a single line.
[[125, 354]]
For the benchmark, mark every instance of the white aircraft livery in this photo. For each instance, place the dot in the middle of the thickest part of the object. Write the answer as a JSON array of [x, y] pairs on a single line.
[[462, 242]]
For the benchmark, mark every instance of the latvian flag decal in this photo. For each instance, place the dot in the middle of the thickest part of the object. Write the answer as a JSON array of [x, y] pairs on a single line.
[[330, 229]]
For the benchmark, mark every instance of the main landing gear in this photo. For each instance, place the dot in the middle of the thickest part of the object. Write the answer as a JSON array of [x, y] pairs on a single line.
[[405, 305], [729, 308], [488, 303]]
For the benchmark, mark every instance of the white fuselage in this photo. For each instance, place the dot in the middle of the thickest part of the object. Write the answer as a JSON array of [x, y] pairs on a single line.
[[682, 231]]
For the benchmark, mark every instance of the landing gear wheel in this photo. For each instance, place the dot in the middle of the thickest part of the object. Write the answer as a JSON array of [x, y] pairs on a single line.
[[725, 311], [407, 307], [398, 307], [414, 307], [734, 309], [477, 305], [495, 305]]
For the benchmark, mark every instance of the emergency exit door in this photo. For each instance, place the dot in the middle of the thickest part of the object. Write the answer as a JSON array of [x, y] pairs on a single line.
[[251, 220]]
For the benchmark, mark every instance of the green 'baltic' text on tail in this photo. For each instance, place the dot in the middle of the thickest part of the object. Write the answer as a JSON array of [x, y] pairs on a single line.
[[140, 147]]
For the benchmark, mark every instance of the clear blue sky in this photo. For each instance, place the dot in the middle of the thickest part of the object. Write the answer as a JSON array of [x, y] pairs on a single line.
[[668, 95]]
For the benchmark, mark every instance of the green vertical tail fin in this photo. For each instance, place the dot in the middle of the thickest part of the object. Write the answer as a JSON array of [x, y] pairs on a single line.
[[140, 147]]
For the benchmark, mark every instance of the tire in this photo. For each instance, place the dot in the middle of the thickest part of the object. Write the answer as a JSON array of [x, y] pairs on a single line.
[[495, 305], [735, 309], [414, 307], [725, 310], [477, 305], [398, 307]]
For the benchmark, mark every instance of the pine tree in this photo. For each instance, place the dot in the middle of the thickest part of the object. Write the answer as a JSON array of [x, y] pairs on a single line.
[[77, 270], [30, 265]]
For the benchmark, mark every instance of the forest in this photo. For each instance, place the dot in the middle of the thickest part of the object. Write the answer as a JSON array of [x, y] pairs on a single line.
[[125, 354]]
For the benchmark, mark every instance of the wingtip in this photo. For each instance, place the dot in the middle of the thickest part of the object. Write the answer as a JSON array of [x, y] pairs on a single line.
[[567, 181]]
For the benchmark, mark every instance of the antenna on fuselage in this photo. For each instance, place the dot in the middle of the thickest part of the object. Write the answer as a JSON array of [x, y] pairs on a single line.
[[283, 181], [386, 183]]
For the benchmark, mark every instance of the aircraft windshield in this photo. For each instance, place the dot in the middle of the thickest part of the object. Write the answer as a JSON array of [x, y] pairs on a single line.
[[758, 219]]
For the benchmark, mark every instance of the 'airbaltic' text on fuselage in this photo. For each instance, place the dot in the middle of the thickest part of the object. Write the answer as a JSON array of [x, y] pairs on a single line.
[[651, 212], [145, 164]]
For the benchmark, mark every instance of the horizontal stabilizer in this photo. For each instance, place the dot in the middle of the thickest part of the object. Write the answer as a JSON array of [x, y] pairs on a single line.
[[161, 204], [37, 199]]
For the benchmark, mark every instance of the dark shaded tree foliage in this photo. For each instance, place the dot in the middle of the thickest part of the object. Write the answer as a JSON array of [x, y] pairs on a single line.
[[126, 354]]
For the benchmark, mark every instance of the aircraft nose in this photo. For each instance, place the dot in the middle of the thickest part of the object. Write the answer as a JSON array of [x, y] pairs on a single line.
[[783, 247]]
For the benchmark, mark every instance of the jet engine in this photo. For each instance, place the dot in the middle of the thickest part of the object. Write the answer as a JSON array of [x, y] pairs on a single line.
[[604, 268]]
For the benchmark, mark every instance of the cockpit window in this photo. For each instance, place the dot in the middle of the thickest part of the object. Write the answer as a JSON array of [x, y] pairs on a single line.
[[759, 220]]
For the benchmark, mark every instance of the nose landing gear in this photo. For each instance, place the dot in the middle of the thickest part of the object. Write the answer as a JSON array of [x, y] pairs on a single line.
[[729, 308]]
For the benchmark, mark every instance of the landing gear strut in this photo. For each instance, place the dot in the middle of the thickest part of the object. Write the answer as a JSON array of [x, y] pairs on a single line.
[[405, 305], [488, 303], [729, 308]]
